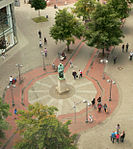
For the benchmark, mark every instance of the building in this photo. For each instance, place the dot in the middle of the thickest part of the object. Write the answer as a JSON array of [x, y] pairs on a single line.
[[7, 25]]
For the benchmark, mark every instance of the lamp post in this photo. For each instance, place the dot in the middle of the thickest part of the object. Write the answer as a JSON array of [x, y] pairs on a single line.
[[87, 104], [19, 72], [103, 61], [43, 54], [12, 95], [110, 91], [74, 107]]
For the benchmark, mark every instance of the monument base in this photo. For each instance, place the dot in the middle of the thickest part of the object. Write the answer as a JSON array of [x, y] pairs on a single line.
[[62, 86]]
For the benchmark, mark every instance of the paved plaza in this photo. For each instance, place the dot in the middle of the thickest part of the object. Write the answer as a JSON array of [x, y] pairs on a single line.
[[40, 85]]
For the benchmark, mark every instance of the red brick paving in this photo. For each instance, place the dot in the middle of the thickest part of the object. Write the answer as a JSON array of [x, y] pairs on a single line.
[[32, 76]]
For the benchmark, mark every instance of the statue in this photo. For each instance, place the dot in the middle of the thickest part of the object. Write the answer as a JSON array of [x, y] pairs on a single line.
[[61, 71]]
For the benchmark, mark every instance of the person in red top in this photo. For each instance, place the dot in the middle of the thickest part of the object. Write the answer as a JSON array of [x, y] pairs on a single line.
[[117, 137]]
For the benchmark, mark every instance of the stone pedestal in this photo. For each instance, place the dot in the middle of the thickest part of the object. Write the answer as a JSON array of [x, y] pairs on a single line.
[[62, 86]]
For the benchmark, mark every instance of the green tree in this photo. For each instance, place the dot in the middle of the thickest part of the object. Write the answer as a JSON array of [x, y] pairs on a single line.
[[83, 8], [4, 112], [38, 4], [40, 129], [104, 30], [66, 27], [121, 7]]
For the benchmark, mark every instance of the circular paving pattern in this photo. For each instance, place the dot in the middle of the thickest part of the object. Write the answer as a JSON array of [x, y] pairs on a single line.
[[44, 92]]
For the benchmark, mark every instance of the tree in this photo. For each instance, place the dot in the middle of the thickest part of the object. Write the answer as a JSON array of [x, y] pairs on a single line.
[[83, 8], [66, 27], [40, 129], [121, 7], [104, 30], [4, 112], [38, 4]]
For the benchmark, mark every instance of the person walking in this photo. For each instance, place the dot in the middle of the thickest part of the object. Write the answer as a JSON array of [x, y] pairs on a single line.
[[99, 99], [113, 136], [123, 46], [99, 107], [117, 137], [10, 80], [115, 58], [127, 45], [46, 52], [80, 74], [105, 107], [40, 34], [122, 136], [74, 73], [45, 40], [131, 55], [118, 128], [40, 43]]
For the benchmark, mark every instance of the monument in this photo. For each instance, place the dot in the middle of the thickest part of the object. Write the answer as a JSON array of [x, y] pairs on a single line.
[[62, 86]]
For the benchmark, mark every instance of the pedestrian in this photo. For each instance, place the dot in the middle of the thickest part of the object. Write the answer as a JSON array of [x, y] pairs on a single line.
[[80, 74], [45, 51], [115, 58], [40, 43], [90, 118], [93, 101], [45, 40], [122, 136], [99, 107], [131, 55], [105, 107], [40, 34], [15, 112], [71, 64], [117, 137], [113, 136], [127, 45], [123, 46], [74, 73], [10, 80], [118, 128], [99, 100]]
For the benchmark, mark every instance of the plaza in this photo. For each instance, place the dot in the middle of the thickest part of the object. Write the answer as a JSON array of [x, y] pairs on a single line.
[[39, 85]]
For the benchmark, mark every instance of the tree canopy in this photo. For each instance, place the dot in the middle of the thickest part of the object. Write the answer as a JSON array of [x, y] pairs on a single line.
[[104, 30], [40, 129], [38, 4], [4, 112], [83, 8], [66, 27], [121, 7]]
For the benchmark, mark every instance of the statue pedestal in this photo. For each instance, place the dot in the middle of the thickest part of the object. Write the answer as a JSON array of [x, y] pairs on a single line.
[[62, 86]]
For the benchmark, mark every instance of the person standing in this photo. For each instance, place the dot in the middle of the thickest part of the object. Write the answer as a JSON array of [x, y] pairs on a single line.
[[127, 45], [40, 34], [74, 73], [118, 128], [122, 136], [105, 107], [99, 107], [10, 80], [123, 46], [115, 58]]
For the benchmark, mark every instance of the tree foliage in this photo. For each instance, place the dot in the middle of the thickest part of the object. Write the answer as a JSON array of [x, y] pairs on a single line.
[[121, 7], [41, 129], [66, 27], [38, 4], [4, 112], [104, 30], [83, 8]]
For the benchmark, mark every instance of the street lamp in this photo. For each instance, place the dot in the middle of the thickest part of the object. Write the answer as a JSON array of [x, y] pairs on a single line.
[[43, 54], [74, 107], [87, 104], [111, 82], [103, 61], [19, 72], [12, 95]]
